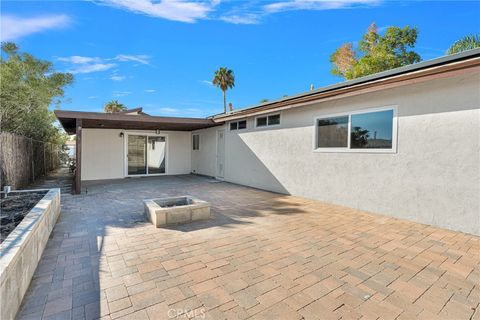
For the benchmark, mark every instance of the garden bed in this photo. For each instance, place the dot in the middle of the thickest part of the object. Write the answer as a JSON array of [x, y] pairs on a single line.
[[14, 206], [22, 248]]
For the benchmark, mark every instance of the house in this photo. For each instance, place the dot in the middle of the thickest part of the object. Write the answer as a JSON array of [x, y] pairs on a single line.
[[403, 143]]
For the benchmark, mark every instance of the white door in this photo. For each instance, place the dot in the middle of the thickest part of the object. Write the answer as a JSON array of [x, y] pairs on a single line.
[[221, 154]]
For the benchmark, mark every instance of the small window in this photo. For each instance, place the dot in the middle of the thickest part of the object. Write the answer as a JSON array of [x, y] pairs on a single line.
[[238, 125], [356, 131], [262, 122], [242, 124], [196, 142], [271, 120]]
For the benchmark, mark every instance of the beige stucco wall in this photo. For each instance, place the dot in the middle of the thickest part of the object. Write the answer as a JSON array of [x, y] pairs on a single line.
[[433, 178], [103, 155]]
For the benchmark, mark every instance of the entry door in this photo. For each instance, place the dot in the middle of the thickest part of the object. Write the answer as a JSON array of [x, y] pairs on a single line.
[[220, 154]]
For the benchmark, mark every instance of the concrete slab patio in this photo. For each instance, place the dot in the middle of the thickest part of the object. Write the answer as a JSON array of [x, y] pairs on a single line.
[[262, 256]]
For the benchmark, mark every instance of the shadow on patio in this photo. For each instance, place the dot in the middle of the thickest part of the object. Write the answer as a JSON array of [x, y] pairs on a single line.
[[100, 236], [262, 256]]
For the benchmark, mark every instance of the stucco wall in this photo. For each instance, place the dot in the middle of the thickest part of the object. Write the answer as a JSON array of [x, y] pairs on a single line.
[[433, 178], [204, 160], [103, 154]]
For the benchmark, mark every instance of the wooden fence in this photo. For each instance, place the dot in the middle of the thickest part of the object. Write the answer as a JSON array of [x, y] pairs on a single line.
[[24, 160]]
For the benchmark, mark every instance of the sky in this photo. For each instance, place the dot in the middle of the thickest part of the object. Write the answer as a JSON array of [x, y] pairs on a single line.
[[161, 55]]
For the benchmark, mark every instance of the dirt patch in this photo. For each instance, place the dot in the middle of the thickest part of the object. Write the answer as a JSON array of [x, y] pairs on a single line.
[[14, 208]]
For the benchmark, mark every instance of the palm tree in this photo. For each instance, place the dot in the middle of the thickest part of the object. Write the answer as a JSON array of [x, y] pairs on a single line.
[[224, 79], [466, 43], [113, 106]]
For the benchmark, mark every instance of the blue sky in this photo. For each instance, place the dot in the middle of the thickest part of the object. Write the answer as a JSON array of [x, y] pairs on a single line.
[[162, 55]]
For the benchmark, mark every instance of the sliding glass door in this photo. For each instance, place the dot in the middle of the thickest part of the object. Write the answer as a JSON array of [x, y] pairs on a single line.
[[137, 155], [156, 155], [146, 155]]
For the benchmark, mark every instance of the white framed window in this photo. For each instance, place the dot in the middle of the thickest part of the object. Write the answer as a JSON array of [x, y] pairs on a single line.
[[196, 142], [238, 125], [268, 120], [370, 130]]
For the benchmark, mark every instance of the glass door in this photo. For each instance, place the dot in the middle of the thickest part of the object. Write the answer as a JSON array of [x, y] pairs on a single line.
[[156, 155], [146, 155], [137, 154]]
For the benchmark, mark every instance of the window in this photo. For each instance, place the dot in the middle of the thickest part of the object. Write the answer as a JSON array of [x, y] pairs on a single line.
[[356, 131], [238, 125], [262, 122], [273, 119], [270, 120], [332, 132], [196, 142]]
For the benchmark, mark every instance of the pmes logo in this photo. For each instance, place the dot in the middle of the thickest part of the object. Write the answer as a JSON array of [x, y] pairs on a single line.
[[187, 314]]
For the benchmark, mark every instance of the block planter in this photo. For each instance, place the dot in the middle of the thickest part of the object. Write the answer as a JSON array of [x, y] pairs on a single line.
[[176, 210], [21, 251]]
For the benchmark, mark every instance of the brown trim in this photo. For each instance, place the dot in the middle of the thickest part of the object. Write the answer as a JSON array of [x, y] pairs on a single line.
[[439, 72], [130, 122], [78, 157]]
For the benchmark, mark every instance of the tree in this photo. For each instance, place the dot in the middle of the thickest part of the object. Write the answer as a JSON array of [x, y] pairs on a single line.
[[28, 87], [466, 43], [375, 52], [113, 106], [263, 101], [224, 79]]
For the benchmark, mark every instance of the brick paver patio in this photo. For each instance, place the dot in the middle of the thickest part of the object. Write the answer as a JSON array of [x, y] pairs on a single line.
[[263, 256]]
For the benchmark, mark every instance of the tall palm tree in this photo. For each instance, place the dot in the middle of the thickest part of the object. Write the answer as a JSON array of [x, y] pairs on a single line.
[[466, 43], [224, 79], [113, 106]]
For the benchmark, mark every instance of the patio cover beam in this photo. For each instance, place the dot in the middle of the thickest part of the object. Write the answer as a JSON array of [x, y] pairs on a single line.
[[78, 157], [130, 122]]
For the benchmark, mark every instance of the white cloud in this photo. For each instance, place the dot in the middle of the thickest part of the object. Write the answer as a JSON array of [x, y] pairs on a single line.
[[168, 110], [177, 10], [116, 77], [82, 64], [141, 58], [92, 97], [150, 90], [315, 5], [15, 27], [249, 18], [79, 59], [207, 82], [121, 93], [88, 68]]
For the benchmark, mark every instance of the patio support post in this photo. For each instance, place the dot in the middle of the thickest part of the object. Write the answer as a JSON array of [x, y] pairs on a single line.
[[78, 157]]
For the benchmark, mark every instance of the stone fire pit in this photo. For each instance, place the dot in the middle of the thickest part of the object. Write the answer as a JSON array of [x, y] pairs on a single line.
[[183, 209]]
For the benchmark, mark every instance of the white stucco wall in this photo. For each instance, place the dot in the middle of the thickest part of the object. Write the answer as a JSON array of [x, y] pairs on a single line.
[[103, 155], [203, 160], [433, 178]]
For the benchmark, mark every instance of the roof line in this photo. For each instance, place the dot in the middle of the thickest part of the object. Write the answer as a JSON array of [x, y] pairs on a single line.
[[444, 60], [118, 115]]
